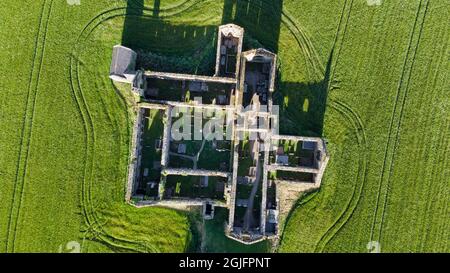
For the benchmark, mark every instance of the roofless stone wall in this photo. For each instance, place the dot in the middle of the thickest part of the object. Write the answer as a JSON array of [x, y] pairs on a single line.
[[183, 171], [235, 104], [235, 31], [133, 168], [166, 138], [188, 77]]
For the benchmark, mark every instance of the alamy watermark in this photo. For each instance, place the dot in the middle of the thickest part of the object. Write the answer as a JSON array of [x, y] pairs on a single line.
[[374, 2], [74, 2], [374, 247], [216, 123], [70, 247]]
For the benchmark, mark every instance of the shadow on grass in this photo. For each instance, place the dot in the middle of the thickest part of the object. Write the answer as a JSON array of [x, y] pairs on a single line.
[[166, 47], [162, 46], [303, 105], [260, 21]]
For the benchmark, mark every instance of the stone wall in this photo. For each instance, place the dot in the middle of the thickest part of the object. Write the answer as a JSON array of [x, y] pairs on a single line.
[[183, 171], [188, 77], [133, 168], [235, 31]]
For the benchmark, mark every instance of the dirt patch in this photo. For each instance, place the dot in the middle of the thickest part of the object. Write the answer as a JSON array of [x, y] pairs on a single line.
[[288, 193]]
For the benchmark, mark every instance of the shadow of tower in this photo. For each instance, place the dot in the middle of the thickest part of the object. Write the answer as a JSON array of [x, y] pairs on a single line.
[[146, 32], [302, 105], [260, 22]]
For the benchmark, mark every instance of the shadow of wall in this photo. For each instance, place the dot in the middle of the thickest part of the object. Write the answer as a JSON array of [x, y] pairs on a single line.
[[260, 20], [302, 105], [167, 47]]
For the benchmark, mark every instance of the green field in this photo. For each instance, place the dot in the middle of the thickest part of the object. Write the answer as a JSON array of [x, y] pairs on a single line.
[[373, 80]]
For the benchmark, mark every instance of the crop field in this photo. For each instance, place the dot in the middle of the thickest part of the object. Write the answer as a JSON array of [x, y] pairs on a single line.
[[372, 77]]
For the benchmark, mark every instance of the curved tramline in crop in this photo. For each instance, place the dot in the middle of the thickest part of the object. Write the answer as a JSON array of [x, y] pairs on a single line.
[[354, 119], [92, 221], [304, 42], [340, 36]]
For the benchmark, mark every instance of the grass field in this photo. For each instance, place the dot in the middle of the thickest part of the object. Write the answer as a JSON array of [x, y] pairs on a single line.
[[373, 80]]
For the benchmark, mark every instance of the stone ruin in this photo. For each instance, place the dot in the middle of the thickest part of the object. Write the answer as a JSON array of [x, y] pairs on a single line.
[[244, 79]]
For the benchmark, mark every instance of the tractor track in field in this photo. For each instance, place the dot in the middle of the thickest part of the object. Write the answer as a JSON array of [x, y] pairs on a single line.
[[164, 12], [92, 221], [354, 119], [27, 126], [177, 8], [341, 31], [358, 125], [304, 43], [395, 123], [346, 111], [169, 11], [301, 37]]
